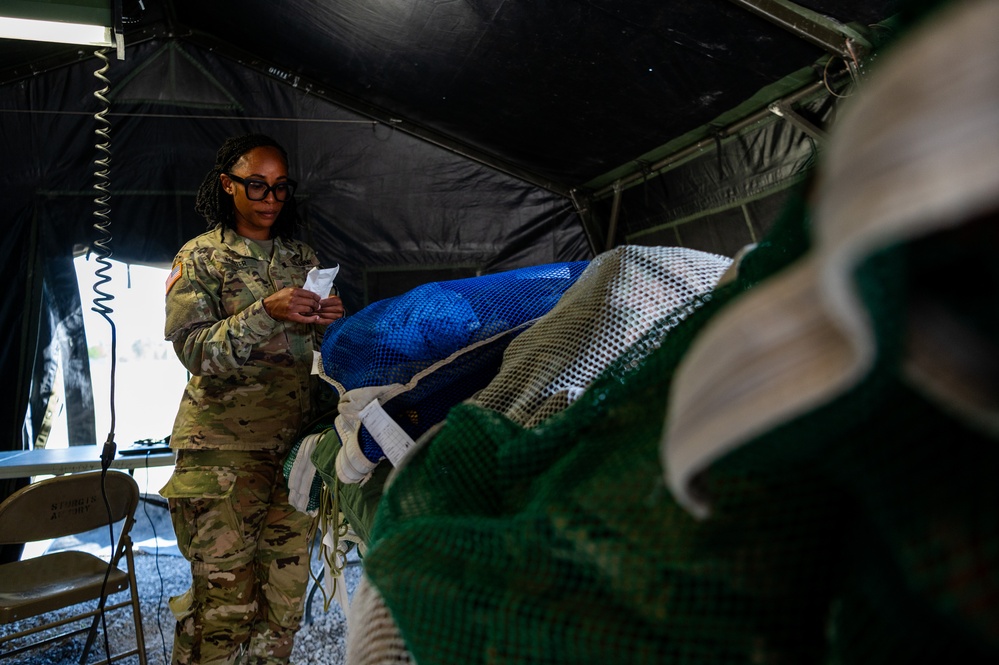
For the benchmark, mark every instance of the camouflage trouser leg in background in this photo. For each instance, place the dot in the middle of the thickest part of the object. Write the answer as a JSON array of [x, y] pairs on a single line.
[[248, 549]]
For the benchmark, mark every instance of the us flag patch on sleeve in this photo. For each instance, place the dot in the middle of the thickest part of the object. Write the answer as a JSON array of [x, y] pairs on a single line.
[[173, 276]]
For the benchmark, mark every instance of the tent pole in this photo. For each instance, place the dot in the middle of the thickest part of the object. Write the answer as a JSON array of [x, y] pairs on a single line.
[[31, 315], [615, 209], [826, 33], [591, 226]]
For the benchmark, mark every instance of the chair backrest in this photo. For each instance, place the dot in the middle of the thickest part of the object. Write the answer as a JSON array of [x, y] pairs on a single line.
[[66, 505]]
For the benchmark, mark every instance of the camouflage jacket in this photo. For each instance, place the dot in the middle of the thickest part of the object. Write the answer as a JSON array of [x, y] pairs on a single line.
[[251, 385]]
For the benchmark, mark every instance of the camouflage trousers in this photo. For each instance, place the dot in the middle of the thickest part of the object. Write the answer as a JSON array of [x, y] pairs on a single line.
[[248, 549]]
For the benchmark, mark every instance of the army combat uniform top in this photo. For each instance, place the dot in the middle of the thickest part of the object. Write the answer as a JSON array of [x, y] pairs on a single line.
[[250, 383], [248, 398]]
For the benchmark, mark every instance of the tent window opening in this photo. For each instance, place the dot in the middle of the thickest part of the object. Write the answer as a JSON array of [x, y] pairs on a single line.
[[149, 379]]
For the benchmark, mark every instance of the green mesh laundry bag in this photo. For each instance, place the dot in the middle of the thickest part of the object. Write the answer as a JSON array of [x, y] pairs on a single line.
[[803, 471], [837, 538]]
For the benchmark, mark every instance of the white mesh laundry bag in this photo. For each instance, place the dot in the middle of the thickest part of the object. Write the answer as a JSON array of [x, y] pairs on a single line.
[[616, 300]]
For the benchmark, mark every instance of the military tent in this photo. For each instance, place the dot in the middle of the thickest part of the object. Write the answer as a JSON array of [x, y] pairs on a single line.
[[432, 139]]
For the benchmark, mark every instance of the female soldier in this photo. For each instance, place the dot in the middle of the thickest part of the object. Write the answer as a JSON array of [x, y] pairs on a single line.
[[245, 330]]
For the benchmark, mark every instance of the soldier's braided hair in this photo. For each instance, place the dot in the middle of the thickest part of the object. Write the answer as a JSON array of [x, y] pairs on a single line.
[[216, 206]]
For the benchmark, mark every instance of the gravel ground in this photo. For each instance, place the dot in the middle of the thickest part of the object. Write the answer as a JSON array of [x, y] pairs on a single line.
[[161, 573]]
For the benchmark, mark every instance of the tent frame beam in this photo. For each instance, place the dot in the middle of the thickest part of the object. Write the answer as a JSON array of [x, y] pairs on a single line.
[[828, 34], [784, 110]]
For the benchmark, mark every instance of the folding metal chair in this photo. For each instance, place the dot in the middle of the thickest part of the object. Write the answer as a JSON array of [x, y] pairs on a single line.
[[49, 586]]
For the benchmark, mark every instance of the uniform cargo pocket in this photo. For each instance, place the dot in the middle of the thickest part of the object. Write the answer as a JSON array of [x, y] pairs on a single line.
[[201, 509]]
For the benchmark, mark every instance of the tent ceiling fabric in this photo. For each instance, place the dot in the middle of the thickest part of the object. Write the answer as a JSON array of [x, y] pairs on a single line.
[[566, 89], [559, 90]]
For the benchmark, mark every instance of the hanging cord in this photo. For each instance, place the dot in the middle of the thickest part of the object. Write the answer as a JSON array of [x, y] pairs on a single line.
[[107, 571], [103, 226], [826, 79], [853, 65], [103, 251]]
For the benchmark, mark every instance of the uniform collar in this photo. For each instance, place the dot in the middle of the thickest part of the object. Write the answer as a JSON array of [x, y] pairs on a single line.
[[248, 248]]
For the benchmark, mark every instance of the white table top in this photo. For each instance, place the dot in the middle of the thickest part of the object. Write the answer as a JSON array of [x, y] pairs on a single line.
[[57, 461]]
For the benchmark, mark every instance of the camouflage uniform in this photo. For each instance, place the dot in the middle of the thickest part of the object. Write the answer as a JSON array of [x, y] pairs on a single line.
[[250, 393]]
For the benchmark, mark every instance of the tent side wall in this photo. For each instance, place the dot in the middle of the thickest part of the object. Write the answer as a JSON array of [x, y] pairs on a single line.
[[721, 193]]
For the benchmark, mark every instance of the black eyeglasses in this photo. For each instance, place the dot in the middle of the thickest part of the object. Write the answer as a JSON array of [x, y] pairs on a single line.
[[256, 190]]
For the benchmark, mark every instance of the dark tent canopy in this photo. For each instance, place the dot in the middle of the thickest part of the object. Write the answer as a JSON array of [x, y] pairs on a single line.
[[432, 139]]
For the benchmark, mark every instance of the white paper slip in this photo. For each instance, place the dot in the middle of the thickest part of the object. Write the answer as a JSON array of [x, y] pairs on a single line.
[[320, 281], [392, 439]]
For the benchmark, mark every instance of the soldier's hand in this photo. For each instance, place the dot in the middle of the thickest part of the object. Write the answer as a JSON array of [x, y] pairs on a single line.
[[330, 309], [293, 304]]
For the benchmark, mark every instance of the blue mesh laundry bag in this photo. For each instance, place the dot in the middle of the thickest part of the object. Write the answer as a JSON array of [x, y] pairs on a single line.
[[401, 363]]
